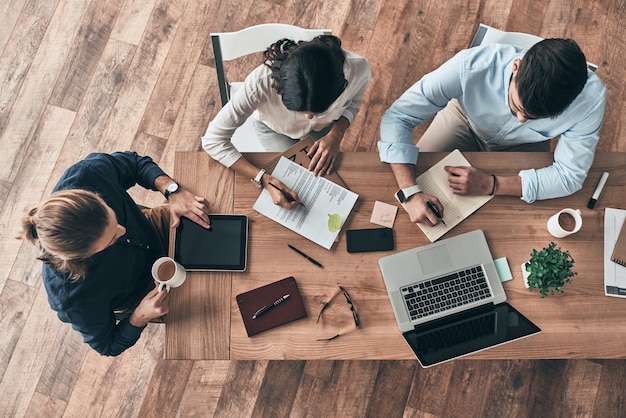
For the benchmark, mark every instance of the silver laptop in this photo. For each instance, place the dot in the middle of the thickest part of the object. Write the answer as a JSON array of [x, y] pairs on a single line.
[[448, 300]]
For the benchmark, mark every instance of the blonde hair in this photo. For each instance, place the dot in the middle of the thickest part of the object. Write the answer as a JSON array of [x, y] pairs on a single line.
[[65, 228]]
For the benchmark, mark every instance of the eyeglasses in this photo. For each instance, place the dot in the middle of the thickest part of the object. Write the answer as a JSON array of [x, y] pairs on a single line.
[[355, 315]]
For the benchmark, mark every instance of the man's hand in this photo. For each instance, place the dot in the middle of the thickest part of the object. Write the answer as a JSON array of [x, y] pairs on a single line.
[[418, 209], [184, 203], [154, 305], [469, 181]]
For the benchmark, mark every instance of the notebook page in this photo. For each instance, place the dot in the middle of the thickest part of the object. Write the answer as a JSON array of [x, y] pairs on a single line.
[[456, 207]]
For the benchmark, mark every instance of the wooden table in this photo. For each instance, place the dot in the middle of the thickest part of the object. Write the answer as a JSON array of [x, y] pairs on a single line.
[[204, 321]]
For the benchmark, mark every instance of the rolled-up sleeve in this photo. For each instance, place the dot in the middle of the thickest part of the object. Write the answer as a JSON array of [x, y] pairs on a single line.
[[425, 98], [573, 154]]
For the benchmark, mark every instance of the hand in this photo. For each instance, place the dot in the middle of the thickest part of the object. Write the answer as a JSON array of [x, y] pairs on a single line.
[[154, 305], [323, 154], [279, 193], [469, 181], [418, 210], [184, 203]]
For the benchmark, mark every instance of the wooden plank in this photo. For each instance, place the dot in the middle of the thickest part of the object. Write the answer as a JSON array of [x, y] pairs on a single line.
[[316, 388], [16, 301], [508, 388], [198, 325], [204, 388], [466, 387], [610, 388], [42, 406], [241, 389], [132, 20], [166, 388], [10, 12], [16, 60], [579, 389], [278, 390], [425, 397], [29, 358], [87, 49], [143, 74], [173, 86], [391, 390], [354, 389], [33, 176], [26, 112]]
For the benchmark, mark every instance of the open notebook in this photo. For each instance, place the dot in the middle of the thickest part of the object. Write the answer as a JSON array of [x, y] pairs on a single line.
[[456, 208]]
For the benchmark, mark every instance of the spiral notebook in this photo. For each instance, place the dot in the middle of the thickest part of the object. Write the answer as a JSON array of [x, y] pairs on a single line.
[[290, 309], [619, 252]]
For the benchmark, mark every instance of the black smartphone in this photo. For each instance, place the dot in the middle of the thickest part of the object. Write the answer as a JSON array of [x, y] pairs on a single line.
[[373, 239]]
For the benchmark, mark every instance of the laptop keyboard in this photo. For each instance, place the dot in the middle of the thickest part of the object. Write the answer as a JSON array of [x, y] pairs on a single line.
[[448, 292]]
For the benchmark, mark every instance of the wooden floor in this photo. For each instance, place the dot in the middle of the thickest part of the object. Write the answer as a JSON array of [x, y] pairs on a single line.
[[102, 75]]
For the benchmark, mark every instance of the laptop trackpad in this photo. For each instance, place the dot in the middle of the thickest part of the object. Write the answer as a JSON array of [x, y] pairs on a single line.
[[434, 259]]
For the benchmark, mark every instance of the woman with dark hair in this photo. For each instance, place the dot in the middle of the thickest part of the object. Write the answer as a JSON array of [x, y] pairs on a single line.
[[308, 88]]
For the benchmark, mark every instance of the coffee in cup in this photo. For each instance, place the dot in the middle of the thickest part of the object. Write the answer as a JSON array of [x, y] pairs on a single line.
[[168, 273], [565, 222]]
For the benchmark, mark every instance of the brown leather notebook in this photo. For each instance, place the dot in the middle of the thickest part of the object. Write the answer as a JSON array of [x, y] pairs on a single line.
[[298, 154], [619, 252], [290, 309]]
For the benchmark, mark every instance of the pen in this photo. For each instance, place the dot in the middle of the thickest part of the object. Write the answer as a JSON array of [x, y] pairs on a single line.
[[435, 211], [268, 307], [596, 193], [287, 196], [304, 255]]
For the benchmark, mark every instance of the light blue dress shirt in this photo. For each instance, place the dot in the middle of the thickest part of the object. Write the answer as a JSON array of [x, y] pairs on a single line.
[[479, 78]]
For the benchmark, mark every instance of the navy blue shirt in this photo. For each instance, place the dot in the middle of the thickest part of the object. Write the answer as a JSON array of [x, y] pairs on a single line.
[[120, 275]]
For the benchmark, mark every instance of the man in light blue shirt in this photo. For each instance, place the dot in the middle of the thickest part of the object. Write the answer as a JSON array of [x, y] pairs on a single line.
[[499, 98]]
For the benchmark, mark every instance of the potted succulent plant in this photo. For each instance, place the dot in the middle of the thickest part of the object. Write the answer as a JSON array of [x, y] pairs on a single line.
[[548, 270]]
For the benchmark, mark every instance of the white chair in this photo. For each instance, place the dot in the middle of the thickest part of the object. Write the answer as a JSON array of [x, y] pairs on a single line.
[[488, 35], [228, 46]]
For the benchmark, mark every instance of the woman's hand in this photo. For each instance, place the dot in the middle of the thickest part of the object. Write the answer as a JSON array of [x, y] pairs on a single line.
[[154, 305], [281, 194], [323, 154]]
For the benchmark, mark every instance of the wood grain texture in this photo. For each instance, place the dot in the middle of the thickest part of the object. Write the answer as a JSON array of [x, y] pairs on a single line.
[[139, 75]]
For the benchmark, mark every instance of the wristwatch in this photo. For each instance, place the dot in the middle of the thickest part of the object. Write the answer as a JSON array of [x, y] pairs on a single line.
[[403, 195], [257, 180], [173, 187]]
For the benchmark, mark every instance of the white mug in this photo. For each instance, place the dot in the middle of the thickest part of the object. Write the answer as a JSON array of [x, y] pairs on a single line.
[[565, 222], [168, 273]]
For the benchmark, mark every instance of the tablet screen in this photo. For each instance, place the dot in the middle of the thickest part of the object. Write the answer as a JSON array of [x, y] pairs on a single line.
[[223, 247]]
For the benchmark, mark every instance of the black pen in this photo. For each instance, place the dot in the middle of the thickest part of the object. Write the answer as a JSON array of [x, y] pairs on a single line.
[[268, 307], [305, 256], [435, 211], [287, 195], [599, 187]]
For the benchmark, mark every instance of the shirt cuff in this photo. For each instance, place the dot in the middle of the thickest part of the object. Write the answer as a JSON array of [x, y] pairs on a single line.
[[529, 185], [397, 153]]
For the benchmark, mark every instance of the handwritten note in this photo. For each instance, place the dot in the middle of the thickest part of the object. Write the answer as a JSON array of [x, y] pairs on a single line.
[[384, 214]]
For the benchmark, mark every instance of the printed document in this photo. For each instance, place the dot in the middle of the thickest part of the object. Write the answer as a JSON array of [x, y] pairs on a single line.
[[456, 207], [326, 204]]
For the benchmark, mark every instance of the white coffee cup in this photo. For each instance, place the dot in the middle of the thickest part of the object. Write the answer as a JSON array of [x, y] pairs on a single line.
[[168, 273], [565, 222]]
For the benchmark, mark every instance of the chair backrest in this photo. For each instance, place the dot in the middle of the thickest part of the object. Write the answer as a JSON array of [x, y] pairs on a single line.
[[488, 35], [231, 45]]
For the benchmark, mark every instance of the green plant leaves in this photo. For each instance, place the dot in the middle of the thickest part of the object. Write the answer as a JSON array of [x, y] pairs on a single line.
[[550, 269]]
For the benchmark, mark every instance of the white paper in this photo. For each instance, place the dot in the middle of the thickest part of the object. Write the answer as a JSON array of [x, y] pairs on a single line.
[[456, 207], [326, 204], [614, 274]]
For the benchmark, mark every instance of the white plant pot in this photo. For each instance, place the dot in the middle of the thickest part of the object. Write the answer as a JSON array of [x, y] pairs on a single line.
[[525, 275]]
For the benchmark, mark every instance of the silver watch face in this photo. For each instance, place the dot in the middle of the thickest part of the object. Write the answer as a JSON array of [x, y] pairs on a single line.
[[172, 187]]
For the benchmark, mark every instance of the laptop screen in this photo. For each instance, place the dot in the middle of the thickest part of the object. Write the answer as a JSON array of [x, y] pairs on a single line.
[[468, 332]]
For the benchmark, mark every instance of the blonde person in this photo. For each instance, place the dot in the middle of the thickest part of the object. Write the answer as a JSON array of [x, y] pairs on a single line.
[[98, 246], [308, 88]]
